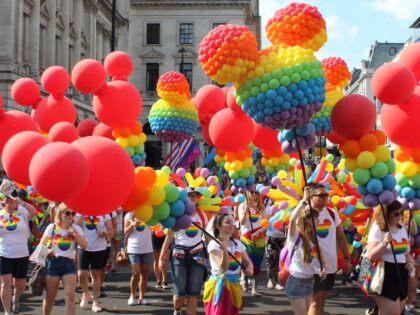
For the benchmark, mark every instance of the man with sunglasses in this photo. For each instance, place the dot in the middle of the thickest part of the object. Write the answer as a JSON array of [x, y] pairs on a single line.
[[330, 237]]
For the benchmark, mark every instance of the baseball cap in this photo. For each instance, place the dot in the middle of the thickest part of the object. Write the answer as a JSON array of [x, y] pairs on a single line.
[[192, 190], [8, 188]]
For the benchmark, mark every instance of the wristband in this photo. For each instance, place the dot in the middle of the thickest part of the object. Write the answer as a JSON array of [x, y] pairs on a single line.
[[384, 244]]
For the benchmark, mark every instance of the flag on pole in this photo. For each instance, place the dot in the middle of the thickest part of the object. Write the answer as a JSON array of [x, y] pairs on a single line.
[[180, 152]]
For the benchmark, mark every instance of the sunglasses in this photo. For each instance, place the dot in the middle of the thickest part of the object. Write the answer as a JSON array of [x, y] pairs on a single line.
[[70, 213], [398, 214], [321, 195], [254, 192]]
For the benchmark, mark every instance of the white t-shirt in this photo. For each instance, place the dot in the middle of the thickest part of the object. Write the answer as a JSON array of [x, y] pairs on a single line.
[[120, 221], [255, 218], [140, 239], [236, 249], [399, 241], [113, 215], [327, 238], [192, 235], [14, 233], [90, 225], [60, 241], [298, 268]]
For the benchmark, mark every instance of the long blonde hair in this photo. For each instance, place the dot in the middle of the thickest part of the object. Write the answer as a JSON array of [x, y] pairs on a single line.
[[308, 233], [59, 211], [259, 205]]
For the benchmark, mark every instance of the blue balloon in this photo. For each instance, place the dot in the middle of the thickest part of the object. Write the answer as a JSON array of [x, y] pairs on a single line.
[[374, 186], [168, 223], [177, 208], [362, 190], [408, 193], [183, 196], [389, 182]]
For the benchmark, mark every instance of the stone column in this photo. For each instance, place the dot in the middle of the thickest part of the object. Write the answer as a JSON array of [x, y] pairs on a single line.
[[99, 42], [51, 30], [77, 19], [65, 35], [34, 27]]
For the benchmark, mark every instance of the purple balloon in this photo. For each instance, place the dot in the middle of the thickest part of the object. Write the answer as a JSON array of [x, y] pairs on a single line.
[[264, 191], [386, 197], [181, 172], [283, 205], [183, 222], [414, 204], [310, 140], [211, 180], [370, 200], [275, 181], [205, 172], [190, 208], [357, 237]]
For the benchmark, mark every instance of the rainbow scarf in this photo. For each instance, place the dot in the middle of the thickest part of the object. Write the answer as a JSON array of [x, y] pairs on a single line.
[[222, 295], [255, 250]]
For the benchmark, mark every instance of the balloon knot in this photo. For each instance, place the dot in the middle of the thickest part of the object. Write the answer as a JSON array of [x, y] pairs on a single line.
[[103, 89], [58, 96]]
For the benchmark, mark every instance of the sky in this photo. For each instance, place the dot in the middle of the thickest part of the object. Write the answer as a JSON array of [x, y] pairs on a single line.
[[353, 26]]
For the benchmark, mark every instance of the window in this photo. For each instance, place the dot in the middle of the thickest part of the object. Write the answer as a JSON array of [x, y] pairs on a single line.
[[217, 24], [186, 33], [152, 76], [392, 51], [153, 34], [187, 70]]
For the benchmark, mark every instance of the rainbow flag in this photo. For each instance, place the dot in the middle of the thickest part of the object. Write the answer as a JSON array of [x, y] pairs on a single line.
[[222, 295]]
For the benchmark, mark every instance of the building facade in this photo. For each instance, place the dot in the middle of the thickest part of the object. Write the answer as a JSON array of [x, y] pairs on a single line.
[[165, 35], [36, 34]]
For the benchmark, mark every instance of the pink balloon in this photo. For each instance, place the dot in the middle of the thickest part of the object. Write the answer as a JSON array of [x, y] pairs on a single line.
[[59, 171], [118, 105], [64, 132], [102, 130], [111, 176], [52, 110], [118, 65], [88, 75], [55, 80], [13, 122], [18, 152], [86, 126], [26, 92]]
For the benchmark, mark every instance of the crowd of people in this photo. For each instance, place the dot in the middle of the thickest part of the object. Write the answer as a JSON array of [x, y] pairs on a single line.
[[219, 256]]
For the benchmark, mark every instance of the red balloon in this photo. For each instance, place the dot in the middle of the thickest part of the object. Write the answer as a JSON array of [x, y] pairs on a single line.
[[88, 75], [59, 171], [206, 135], [64, 132], [336, 138], [86, 126], [118, 65], [231, 101], [52, 110], [230, 131], [393, 83], [102, 130], [353, 116], [400, 122], [13, 122], [265, 138], [119, 105], [410, 56], [55, 80], [111, 176], [209, 100], [26, 92], [18, 152]]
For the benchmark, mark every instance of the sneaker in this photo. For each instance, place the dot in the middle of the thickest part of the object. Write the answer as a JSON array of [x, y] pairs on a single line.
[[270, 284], [84, 302], [409, 307], [132, 301], [165, 285], [279, 287], [372, 311], [158, 285], [16, 307], [255, 293], [178, 312], [96, 308], [245, 287], [143, 302]]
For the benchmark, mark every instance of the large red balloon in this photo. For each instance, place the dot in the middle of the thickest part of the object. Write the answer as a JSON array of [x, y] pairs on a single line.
[[230, 131], [336, 138], [118, 65], [86, 126], [119, 105], [410, 56], [353, 116], [59, 171], [393, 83], [26, 92], [231, 101], [111, 176], [209, 100], [64, 132], [52, 110], [265, 138], [102, 130], [88, 75], [18, 152], [13, 122], [55, 80], [401, 124]]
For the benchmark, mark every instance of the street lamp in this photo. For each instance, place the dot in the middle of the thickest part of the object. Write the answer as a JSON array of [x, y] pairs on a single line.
[[182, 51]]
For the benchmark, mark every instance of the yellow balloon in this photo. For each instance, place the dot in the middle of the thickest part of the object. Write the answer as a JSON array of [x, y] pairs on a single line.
[[213, 189], [335, 199], [382, 153], [366, 159], [274, 161], [284, 159], [144, 212], [282, 174], [237, 165], [142, 137], [351, 164], [162, 179], [156, 195], [133, 140], [122, 142], [408, 168], [248, 162], [329, 168], [228, 166]]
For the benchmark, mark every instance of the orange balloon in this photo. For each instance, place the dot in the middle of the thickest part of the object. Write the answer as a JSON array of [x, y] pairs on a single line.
[[136, 128], [368, 142], [264, 223], [145, 176], [351, 148], [415, 155], [402, 154], [380, 136]]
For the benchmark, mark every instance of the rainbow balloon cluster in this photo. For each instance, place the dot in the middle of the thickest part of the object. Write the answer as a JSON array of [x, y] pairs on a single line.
[[219, 158], [132, 139], [408, 177], [338, 76], [240, 168], [274, 161], [174, 117], [155, 200], [370, 161], [228, 52], [302, 138], [297, 24]]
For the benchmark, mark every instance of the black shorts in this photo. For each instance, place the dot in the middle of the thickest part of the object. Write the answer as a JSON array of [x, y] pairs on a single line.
[[157, 242], [325, 284], [391, 288], [90, 260], [106, 256], [18, 267]]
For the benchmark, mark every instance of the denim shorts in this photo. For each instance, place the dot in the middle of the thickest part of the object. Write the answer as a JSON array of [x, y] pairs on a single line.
[[298, 288], [146, 258], [187, 276], [60, 266]]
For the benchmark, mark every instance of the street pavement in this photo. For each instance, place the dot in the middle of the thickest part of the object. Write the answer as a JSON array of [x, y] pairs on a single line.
[[344, 300]]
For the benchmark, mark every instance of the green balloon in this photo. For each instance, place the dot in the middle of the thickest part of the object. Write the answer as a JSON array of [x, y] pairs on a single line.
[[248, 85], [329, 157], [379, 170], [244, 173], [297, 68], [255, 91], [266, 77], [264, 87], [285, 81], [166, 169], [130, 151], [139, 148], [172, 193], [246, 94], [390, 164], [258, 81], [314, 73], [288, 72], [306, 66], [295, 77], [269, 169], [206, 193], [341, 178], [152, 221], [162, 211], [274, 84], [253, 169], [402, 180], [361, 176], [234, 174], [414, 181], [277, 74]]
